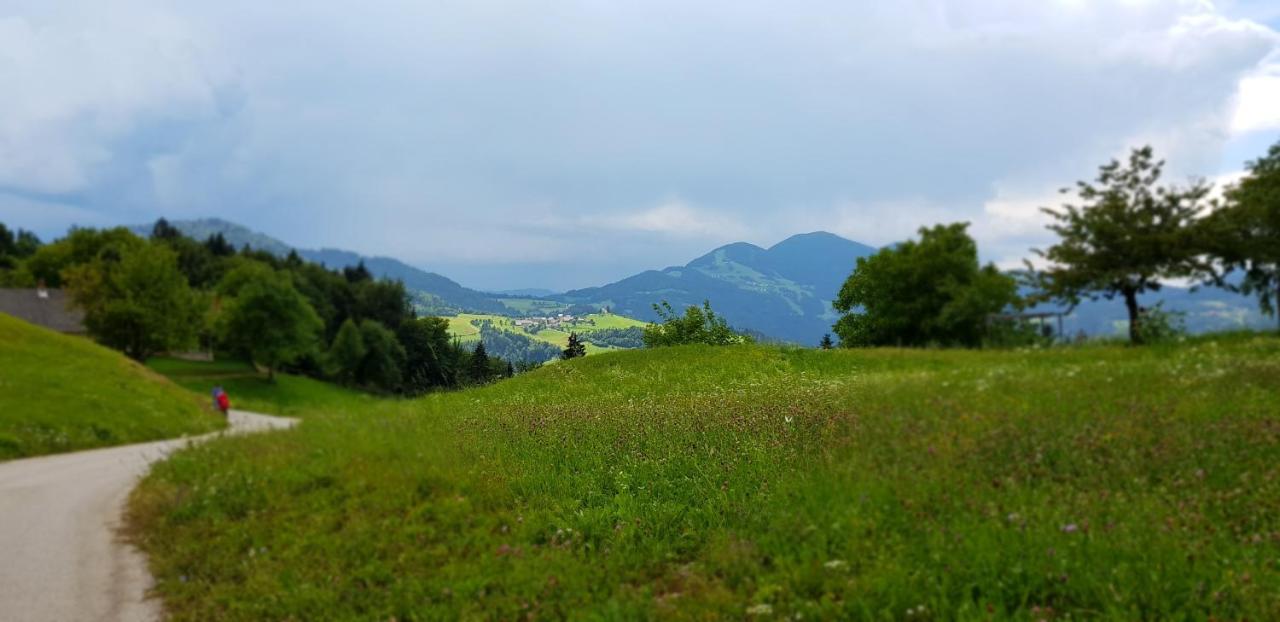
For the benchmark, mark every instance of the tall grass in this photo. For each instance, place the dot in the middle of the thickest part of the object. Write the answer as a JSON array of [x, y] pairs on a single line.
[[695, 483]]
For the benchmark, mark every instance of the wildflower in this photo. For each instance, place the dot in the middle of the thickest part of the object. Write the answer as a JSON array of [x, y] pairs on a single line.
[[1070, 528], [763, 609], [788, 419], [835, 564]]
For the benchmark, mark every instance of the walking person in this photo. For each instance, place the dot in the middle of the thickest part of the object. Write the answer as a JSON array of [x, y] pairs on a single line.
[[221, 401]]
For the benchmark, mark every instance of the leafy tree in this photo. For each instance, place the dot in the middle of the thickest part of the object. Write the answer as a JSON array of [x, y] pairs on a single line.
[[136, 301], [931, 291], [479, 364], [383, 301], [430, 356], [697, 325], [1127, 234], [575, 348], [383, 357], [267, 318], [346, 353], [80, 246], [1246, 233], [826, 343]]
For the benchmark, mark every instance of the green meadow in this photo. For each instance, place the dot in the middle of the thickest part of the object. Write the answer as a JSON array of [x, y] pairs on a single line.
[[749, 482], [461, 326], [63, 393]]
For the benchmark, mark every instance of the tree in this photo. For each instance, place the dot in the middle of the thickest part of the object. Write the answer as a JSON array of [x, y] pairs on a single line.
[[697, 325], [917, 293], [575, 348], [16, 246], [346, 353], [430, 359], [136, 301], [267, 318], [218, 245], [479, 364], [1127, 234], [511, 370], [1245, 234], [383, 357], [162, 230], [80, 246], [826, 343]]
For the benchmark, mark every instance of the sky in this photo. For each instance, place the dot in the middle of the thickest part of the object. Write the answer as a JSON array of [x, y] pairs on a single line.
[[572, 143]]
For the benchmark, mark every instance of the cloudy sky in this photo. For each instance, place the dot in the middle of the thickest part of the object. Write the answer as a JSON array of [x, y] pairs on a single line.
[[569, 143]]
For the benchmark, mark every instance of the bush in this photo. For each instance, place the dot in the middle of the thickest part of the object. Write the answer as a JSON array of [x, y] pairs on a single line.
[[698, 325]]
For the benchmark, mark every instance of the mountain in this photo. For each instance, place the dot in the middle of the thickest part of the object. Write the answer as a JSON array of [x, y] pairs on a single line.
[[433, 293], [783, 292]]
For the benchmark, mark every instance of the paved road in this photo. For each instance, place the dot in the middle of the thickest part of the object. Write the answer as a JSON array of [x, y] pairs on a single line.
[[60, 557]]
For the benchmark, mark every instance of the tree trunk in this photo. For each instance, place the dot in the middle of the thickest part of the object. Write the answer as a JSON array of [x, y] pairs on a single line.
[[1135, 322]]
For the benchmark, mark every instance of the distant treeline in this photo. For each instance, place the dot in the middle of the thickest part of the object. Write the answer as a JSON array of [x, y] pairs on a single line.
[[166, 293], [631, 337], [514, 347]]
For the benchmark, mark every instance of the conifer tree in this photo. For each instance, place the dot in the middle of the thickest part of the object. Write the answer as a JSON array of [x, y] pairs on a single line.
[[826, 343], [575, 348], [479, 363]]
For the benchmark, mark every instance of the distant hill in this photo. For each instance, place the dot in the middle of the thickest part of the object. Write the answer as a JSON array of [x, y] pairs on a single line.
[[526, 292], [784, 291], [434, 294], [1204, 310]]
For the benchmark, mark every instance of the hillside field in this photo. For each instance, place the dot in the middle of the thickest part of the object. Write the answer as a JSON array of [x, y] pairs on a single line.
[[63, 393], [753, 482], [461, 326]]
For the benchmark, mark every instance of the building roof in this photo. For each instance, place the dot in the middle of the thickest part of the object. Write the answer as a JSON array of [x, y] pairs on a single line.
[[50, 308]]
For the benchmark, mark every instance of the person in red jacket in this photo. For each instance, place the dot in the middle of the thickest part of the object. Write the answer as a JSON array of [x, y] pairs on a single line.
[[221, 400]]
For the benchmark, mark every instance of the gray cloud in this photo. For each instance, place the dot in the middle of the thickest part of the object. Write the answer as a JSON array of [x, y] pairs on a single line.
[[503, 143]]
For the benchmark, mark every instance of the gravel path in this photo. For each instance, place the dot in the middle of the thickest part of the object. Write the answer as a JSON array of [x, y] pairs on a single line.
[[60, 557]]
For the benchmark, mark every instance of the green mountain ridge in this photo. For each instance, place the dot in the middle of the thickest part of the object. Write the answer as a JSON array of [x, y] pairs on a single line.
[[782, 292]]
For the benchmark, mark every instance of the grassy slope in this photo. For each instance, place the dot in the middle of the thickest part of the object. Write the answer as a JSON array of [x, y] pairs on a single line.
[[61, 393], [249, 389], [691, 483]]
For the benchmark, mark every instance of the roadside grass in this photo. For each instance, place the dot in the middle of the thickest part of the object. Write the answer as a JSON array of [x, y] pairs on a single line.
[[748, 482], [249, 389], [62, 393]]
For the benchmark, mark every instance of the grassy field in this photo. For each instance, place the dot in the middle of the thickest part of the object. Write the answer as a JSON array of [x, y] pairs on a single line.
[[754, 482], [460, 326], [61, 393], [249, 389]]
